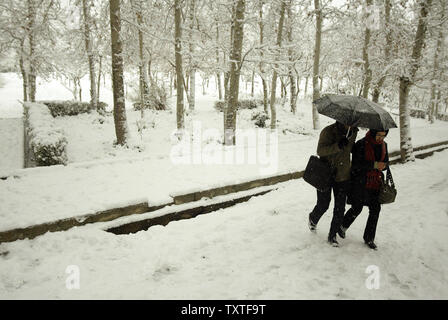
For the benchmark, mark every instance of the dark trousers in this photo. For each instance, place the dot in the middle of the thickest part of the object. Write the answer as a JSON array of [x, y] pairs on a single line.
[[340, 190], [372, 220]]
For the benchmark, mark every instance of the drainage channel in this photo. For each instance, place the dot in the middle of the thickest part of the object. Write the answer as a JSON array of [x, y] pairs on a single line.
[[186, 213]]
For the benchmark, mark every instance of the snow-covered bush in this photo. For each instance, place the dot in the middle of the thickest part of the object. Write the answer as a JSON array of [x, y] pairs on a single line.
[[250, 103], [260, 117], [220, 105], [71, 108], [242, 104], [418, 113], [442, 116], [47, 141], [156, 99]]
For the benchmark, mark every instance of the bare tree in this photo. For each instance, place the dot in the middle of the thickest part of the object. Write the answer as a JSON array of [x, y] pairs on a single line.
[[406, 81], [121, 128], [32, 48], [365, 57], [179, 72], [23, 71], [90, 54], [316, 89], [387, 47], [292, 78], [436, 74], [192, 72], [218, 74], [262, 74], [235, 69], [275, 75], [143, 82]]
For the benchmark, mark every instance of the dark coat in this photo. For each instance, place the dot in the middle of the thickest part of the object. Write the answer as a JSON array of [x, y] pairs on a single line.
[[328, 150], [358, 194]]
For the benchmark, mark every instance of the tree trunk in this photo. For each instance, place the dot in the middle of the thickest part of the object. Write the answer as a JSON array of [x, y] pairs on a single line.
[[179, 72], [407, 152], [282, 88], [227, 73], [253, 84], [99, 77], [380, 83], [192, 89], [274, 76], [90, 55], [75, 89], [24, 74], [365, 57], [226, 86], [292, 78], [316, 91], [149, 70], [192, 62], [218, 85], [32, 49], [306, 87], [80, 89], [121, 129], [218, 74], [262, 75], [204, 85], [143, 83], [235, 67], [438, 99], [436, 72], [298, 86], [405, 125]]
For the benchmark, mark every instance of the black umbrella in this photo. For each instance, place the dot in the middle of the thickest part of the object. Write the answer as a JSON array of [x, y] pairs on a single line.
[[355, 111]]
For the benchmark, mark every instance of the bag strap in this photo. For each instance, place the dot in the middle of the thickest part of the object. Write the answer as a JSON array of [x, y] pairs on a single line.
[[389, 177]]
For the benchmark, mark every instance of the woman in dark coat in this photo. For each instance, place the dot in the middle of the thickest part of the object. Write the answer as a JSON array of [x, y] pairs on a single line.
[[370, 158]]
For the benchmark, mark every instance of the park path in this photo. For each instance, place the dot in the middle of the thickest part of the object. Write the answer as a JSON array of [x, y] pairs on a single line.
[[11, 146]]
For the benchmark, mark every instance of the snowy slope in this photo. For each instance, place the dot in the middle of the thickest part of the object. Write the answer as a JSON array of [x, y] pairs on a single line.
[[261, 249]]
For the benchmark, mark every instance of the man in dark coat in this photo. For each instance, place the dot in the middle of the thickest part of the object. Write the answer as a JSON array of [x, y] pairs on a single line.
[[334, 146], [370, 158]]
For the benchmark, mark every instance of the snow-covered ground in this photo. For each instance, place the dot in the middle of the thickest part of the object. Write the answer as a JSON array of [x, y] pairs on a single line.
[[261, 249]]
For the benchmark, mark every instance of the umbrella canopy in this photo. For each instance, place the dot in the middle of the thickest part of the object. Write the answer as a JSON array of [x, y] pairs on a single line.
[[355, 111]]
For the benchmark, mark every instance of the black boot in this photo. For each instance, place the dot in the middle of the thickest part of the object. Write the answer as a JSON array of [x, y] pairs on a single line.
[[341, 232], [311, 224], [371, 245], [333, 241]]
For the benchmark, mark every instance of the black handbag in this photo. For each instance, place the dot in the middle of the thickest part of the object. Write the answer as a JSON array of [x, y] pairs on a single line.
[[388, 192], [318, 173]]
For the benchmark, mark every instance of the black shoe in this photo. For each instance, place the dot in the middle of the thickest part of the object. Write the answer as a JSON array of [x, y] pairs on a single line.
[[371, 245], [333, 241], [341, 232], [311, 224]]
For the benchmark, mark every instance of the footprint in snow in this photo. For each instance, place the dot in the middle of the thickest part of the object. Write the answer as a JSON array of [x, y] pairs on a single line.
[[163, 271]]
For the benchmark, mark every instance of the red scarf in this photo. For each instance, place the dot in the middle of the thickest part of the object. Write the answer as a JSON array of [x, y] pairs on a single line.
[[373, 176]]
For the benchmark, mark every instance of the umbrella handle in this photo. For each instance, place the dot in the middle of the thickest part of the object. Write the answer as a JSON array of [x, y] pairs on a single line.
[[349, 127]]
